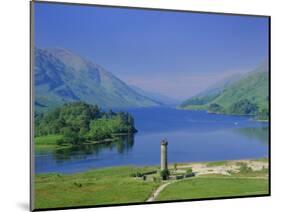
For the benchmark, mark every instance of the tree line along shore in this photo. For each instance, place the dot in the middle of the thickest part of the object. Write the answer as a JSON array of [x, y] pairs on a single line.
[[80, 123]]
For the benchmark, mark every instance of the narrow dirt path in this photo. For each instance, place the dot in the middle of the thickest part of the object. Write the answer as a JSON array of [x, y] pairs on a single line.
[[158, 190]]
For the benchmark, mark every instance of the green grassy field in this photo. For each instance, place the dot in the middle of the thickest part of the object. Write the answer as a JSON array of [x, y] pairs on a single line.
[[216, 163], [47, 141], [95, 187], [116, 185], [213, 186], [261, 160], [51, 142]]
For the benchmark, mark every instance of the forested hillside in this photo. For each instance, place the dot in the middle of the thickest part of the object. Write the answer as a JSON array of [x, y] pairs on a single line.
[[247, 96]]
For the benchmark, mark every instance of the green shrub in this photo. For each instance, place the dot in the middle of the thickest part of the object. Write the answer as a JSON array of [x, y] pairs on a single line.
[[165, 174], [189, 170], [138, 174], [77, 184], [133, 175], [230, 172], [244, 168]]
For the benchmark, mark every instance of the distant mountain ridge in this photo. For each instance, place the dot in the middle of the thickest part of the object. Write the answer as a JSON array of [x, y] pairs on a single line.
[[246, 94], [62, 76], [162, 99], [220, 85]]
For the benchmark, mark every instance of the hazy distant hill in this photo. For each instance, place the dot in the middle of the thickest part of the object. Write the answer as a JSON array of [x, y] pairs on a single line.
[[62, 76], [163, 99], [246, 94], [210, 93]]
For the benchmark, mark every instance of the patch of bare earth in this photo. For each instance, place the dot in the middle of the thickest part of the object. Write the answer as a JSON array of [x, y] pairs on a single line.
[[224, 169]]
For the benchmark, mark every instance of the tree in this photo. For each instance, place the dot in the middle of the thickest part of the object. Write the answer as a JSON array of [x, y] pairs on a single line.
[[175, 166], [244, 107], [215, 108], [263, 113], [189, 170], [79, 122], [70, 136], [244, 168], [165, 174]]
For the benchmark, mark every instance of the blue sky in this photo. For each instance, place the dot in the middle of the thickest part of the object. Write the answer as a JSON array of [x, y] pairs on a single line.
[[172, 53]]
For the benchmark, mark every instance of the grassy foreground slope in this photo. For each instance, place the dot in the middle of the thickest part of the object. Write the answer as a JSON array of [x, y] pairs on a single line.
[[117, 185], [211, 187], [96, 187]]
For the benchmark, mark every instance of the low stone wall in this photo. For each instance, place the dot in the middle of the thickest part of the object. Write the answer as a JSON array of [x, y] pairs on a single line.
[[182, 176]]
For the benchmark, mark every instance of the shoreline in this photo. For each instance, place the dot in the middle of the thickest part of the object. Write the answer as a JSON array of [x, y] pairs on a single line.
[[58, 147], [170, 165], [227, 114]]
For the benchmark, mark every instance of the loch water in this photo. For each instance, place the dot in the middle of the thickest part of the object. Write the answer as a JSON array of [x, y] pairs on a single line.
[[192, 136]]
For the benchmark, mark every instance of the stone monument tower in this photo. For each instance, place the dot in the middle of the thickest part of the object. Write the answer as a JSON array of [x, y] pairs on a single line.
[[164, 160]]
